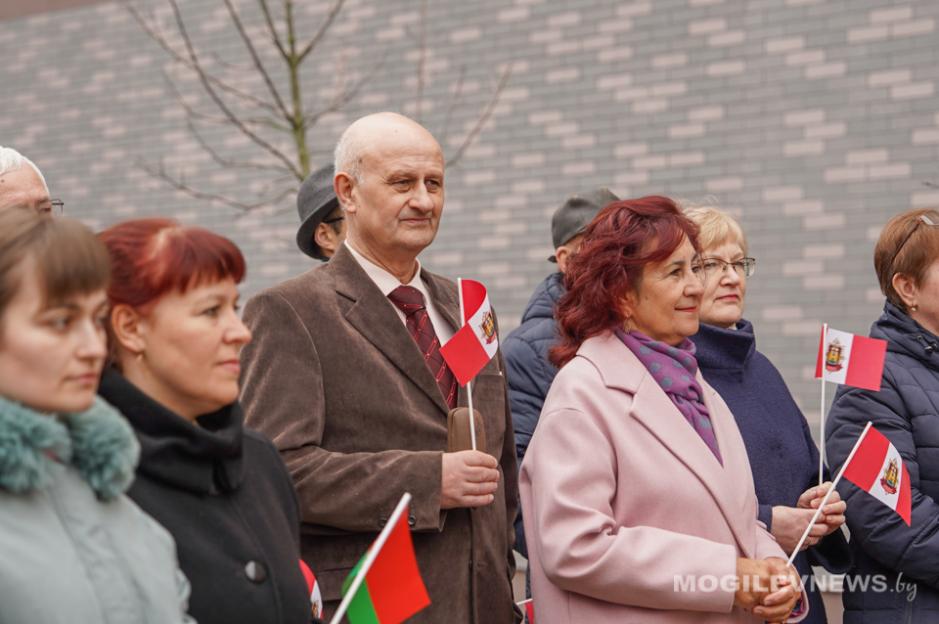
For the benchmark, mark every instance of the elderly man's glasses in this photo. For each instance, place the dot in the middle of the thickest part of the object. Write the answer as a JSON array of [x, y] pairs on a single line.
[[922, 219], [53, 206], [745, 267]]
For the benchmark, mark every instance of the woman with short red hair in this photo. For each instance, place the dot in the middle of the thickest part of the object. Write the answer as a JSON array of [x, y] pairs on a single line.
[[220, 489], [636, 489]]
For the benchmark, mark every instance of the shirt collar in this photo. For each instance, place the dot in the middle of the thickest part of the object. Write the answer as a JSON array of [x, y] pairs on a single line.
[[385, 281]]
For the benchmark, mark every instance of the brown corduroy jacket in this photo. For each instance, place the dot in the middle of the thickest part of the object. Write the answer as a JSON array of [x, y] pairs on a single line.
[[333, 377]]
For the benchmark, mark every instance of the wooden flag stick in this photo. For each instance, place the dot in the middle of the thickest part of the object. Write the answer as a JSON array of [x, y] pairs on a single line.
[[370, 558], [469, 384], [821, 411], [821, 505]]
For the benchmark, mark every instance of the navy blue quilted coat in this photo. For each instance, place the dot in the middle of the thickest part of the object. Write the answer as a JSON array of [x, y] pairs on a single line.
[[783, 456], [529, 372], [906, 410]]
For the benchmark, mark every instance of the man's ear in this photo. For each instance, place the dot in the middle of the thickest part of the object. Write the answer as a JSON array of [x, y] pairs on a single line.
[[343, 185], [326, 238], [128, 329], [562, 255]]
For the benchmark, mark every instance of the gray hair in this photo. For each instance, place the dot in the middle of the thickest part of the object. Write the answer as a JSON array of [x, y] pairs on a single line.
[[348, 155], [11, 160]]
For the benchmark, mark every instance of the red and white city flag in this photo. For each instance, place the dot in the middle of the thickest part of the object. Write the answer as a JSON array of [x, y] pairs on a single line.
[[316, 597], [850, 359], [877, 468], [474, 344]]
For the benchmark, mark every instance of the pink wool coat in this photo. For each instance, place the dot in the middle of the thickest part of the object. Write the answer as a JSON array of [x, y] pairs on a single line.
[[623, 501]]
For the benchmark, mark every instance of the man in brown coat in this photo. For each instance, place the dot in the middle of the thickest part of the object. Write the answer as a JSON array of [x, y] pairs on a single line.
[[344, 374]]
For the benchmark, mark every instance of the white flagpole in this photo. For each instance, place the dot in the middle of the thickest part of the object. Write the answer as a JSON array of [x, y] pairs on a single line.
[[821, 411], [370, 557], [469, 384], [821, 505]]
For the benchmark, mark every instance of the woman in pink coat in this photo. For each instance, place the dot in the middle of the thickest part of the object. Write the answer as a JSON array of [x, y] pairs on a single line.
[[638, 501]]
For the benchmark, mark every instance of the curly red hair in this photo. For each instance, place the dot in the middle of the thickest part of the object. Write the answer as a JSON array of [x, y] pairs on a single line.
[[623, 238]]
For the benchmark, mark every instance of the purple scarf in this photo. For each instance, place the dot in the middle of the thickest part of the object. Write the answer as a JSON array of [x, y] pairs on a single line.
[[674, 369]]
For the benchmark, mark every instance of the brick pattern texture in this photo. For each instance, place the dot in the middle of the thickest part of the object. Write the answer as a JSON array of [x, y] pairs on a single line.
[[813, 121]]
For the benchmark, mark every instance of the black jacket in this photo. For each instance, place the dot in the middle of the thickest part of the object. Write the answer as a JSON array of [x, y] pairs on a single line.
[[783, 456], [896, 573], [224, 494]]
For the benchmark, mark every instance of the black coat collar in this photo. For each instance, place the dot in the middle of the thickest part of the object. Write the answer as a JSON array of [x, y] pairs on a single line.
[[204, 458]]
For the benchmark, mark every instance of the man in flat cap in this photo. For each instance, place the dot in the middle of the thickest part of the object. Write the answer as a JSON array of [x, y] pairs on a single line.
[[322, 224], [529, 372]]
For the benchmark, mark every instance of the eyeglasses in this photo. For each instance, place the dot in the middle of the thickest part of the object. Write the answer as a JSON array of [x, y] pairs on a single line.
[[334, 219], [53, 206], [745, 267], [922, 219]]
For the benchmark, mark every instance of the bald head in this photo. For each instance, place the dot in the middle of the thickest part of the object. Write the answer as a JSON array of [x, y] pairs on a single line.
[[366, 132], [389, 181]]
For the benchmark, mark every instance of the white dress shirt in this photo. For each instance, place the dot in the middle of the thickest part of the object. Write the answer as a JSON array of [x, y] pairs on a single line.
[[387, 282]]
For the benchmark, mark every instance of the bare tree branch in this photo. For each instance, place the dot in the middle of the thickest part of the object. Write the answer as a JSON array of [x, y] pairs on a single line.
[[239, 26], [227, 163], [330, 18], [220, 103], [454, 101], [483, 118], [180, 184], [195, 115], [164, 43], [421, 60], [343, 97], [275, 38]]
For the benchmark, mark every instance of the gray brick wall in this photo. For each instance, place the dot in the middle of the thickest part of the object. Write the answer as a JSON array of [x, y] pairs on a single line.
[[814, 121]]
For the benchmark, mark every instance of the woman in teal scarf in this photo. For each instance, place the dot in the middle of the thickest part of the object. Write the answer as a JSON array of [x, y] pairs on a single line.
[[75, 549]]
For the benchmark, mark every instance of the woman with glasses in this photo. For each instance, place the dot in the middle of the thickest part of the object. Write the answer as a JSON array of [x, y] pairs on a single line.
[[783, 456], [636, 490], [906, 410], [74, 547]]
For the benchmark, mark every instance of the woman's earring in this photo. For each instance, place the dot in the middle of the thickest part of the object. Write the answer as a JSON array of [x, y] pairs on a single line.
[[914, 308]]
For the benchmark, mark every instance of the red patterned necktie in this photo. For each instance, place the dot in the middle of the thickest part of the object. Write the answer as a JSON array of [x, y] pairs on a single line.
[[410, 301]]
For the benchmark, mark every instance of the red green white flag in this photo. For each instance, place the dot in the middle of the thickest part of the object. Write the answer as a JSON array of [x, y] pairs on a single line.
[[385, 586]]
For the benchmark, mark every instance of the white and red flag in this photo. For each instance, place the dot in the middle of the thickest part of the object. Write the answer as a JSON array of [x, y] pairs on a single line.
[[316, 597], [878, 469], [474, 344], [850, 359]]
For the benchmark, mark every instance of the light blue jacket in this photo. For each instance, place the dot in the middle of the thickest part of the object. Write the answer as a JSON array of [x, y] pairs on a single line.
[[74, 548]]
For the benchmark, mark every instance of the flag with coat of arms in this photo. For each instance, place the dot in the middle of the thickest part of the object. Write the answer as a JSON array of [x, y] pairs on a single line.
[[313, 586], [476, 342], [877, 468], [849, 359]]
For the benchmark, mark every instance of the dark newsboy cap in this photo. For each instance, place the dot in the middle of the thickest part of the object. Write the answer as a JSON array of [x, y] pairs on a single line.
[[575, 214], [315, 201]]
